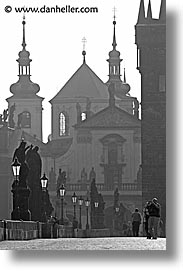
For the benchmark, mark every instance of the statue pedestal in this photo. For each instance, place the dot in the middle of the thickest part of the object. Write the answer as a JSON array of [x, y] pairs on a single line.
[[20, 203]]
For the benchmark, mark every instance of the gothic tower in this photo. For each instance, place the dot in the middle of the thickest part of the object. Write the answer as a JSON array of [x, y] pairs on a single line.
[[25, 106], [151, 63]]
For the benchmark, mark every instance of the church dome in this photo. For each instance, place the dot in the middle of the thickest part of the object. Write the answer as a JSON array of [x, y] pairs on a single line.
[[121, 89], [114, 54], [24, 86], [24, 59]]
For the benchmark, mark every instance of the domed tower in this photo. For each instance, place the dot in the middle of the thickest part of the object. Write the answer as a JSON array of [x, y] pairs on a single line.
[[121, 87], [25, 106]]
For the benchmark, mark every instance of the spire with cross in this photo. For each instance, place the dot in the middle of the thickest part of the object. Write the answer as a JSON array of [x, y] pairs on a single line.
[[114, 16], [84, 52]]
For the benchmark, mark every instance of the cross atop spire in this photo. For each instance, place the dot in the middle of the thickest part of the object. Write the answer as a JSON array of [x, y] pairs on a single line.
[[84, 52], [23, 41], [114, 44], [84, 43], [114, 16]]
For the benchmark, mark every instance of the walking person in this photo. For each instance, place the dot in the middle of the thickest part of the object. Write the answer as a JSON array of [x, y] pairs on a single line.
[[154, 218], [146, 218], [136, 221]]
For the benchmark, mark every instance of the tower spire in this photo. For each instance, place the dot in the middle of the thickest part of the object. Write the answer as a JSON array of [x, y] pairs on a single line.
[[149, 11], [141, 16], [23, 40], [114, 44], [162, 15], [84, 52]]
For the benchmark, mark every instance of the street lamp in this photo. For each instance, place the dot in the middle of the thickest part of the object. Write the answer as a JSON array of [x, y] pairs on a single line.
[[44, 184], [16, 169], [80, 201], [96, 204], [15, 214], [74, 200], [87, 203], [116, 217], [62, 194]]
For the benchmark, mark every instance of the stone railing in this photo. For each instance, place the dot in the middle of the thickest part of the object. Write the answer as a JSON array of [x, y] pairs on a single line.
[[102, 187]]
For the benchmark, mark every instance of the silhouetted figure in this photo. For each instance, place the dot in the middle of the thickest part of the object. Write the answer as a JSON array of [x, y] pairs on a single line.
[[20, 155], [136, 221]]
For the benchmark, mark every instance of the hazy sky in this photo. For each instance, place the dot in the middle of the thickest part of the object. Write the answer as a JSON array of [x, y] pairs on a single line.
[[54, 42]]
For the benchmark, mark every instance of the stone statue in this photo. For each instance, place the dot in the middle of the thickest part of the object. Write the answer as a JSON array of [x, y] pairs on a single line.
[[11, 116], [116, 197], [52, 176], [20, 155], [78, 109], [92, 175], [5, 116], [19, 120], [83, 176], [139, 175], [1, 119], [61, 180]]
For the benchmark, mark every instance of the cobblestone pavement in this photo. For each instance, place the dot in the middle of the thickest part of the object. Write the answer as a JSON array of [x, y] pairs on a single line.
[[124, 243]]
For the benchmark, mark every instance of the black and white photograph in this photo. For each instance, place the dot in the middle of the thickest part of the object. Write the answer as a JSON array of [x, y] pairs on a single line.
[[83, 126]]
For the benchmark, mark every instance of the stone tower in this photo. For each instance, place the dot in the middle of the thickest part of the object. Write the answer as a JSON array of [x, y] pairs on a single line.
[[151, 63], [25, 105]]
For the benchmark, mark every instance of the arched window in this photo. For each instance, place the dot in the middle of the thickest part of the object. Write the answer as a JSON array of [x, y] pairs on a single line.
[[24, 120], [63, 124]]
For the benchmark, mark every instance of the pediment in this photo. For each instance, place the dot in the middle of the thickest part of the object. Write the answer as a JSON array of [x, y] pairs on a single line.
[[110, 117]]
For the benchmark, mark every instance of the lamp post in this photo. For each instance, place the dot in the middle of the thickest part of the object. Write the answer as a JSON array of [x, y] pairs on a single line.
[[87, 203], [44, 185], [15, 215], [62, 194], [80, 201], [116, 217], [74, 200], [96, 204]]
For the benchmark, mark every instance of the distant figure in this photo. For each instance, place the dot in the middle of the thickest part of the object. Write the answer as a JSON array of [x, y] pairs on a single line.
[[92, 175], [154, 218], [146, 218], [52, 176], [136, 221], [83, 175]]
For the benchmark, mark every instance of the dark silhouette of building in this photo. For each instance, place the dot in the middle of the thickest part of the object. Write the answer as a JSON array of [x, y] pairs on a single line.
[[151, 63]]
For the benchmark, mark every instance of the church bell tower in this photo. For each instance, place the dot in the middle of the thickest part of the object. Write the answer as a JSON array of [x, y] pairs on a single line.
[[25, 106]]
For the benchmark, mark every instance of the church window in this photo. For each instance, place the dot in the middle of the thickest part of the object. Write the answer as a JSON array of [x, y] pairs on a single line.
[[25, 119], [83, 116], [63, 124], [112, 153]]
